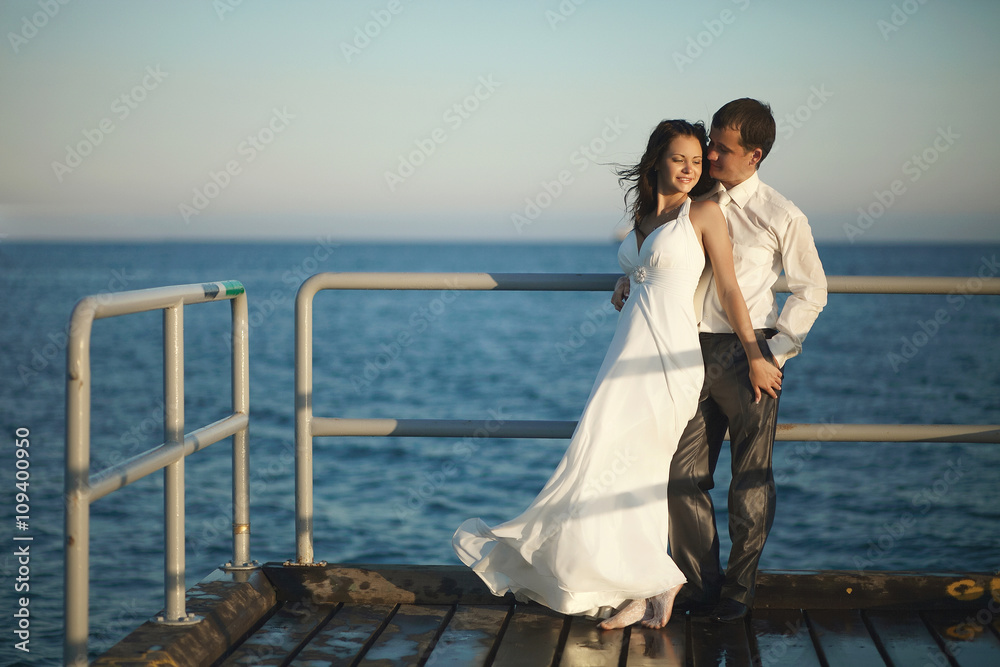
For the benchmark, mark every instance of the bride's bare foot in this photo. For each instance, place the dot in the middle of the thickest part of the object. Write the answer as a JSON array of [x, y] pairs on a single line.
[[663, 605], [634, 611]]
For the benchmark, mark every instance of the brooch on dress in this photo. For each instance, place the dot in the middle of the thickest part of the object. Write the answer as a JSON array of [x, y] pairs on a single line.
[[639, 274]]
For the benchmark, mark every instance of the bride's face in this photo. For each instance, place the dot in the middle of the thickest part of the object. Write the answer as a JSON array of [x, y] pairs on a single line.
[[679, 166]]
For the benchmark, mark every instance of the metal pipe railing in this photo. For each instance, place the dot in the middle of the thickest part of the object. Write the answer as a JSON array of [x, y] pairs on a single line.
[[542, 429], [82, 488], [241, 435], [173, 473], [308, 426], [121, 475]]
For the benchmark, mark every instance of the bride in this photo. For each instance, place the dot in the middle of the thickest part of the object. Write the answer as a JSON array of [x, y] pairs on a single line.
[[594, 540]]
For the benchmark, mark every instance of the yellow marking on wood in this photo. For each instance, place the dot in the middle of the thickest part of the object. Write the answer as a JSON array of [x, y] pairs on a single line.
[[964, 631], [965, 589]]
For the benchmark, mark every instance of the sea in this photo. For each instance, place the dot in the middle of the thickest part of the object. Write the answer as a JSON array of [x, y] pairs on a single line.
[[896, 359]]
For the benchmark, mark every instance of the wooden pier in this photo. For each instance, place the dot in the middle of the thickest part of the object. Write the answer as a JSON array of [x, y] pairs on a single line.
[[443, 615]]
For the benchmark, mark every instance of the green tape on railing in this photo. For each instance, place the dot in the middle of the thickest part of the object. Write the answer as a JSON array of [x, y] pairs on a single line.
[[233, 287]]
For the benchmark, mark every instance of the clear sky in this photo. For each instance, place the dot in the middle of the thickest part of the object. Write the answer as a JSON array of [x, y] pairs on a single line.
[[428, 120]]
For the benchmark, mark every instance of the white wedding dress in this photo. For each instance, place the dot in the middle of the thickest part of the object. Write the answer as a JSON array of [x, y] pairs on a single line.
[[596, 535]]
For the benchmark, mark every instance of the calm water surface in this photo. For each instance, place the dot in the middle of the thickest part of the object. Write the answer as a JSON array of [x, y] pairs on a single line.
[[883, 359]]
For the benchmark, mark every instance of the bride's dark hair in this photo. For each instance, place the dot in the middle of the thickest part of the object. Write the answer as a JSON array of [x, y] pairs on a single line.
[[642, 193]]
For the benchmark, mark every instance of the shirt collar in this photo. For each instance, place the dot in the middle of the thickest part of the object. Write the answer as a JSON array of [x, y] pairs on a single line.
[[741, 193], [711, 195]]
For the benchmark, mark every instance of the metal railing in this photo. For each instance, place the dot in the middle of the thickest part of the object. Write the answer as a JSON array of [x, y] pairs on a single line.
[[82, 488], [308, 426]]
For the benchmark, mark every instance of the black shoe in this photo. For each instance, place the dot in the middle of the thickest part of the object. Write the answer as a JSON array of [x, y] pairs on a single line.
[[729, 611]]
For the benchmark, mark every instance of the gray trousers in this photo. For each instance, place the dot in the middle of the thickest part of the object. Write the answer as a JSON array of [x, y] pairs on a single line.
[[726, 401]]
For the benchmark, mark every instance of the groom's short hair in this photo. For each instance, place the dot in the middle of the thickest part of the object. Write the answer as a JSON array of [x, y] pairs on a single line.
[[754, 121]]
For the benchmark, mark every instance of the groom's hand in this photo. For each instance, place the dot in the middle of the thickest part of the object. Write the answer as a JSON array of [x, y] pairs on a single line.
[[621, 293], [764, 377]]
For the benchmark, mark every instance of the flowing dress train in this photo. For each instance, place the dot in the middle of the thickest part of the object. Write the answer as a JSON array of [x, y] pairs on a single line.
[[596, 534]]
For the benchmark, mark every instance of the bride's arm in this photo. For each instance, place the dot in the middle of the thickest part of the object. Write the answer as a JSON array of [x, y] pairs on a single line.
[[709, 221]]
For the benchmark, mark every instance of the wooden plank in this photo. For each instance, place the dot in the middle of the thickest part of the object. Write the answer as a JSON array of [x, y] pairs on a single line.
[[280, 636], [381, 584], [343, 638], [407, 637], [231, 604], [782, 637], [714, 644], [967, 636], [905, 638], [588, 646], [469, 637], [666, 646], [843, 637], [871, 590], [453, 584], [531, 638]]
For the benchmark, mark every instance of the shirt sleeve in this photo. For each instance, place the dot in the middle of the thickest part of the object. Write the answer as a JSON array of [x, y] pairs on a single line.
[[807, 284]]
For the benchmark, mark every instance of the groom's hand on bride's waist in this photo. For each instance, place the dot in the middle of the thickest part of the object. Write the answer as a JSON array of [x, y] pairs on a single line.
[[621, 293]]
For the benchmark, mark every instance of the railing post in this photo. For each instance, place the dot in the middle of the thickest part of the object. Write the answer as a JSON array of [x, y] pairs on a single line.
[[241, 454], [77, 483], [303, 425], [173, 474]]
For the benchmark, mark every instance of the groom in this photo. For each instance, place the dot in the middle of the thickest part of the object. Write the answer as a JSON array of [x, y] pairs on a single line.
[[770, 235]]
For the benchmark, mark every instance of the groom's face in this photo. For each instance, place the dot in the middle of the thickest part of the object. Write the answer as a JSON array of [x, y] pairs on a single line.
[[728, 161]]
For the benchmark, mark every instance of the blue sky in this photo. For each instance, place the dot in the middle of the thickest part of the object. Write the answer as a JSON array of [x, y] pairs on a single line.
[[421, 120]]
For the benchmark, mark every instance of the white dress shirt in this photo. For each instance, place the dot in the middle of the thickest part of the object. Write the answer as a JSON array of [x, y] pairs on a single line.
[[770, 235]]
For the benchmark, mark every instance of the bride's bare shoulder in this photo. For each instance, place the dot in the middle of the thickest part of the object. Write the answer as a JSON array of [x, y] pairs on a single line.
[[706, 212], [705, 206]]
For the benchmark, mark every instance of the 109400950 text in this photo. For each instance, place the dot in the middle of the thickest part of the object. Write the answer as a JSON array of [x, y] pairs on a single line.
[[22, 546]]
